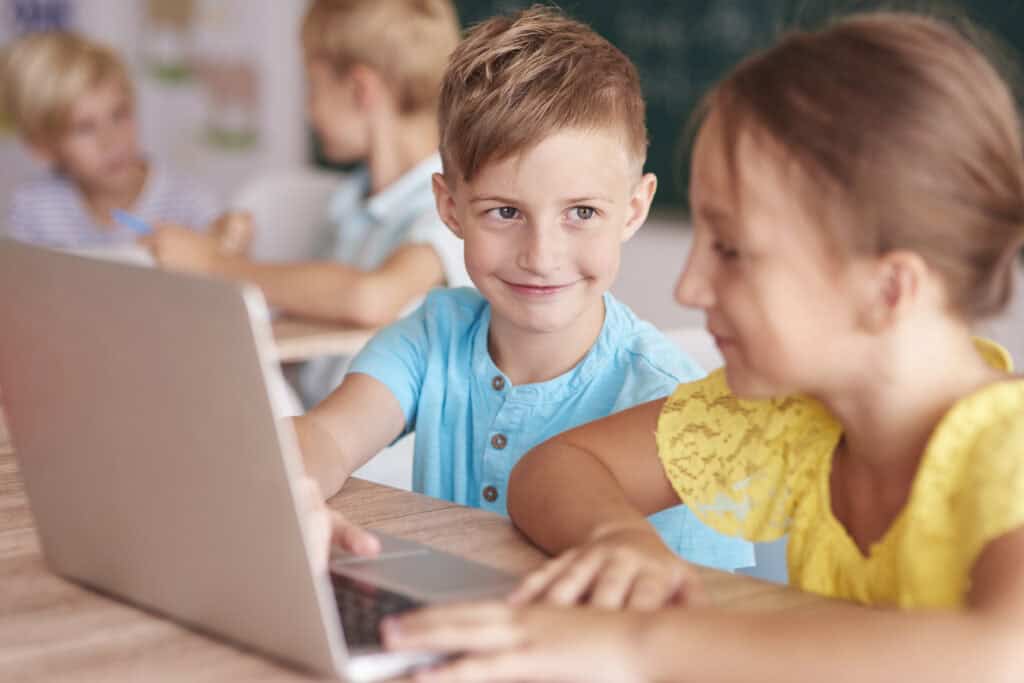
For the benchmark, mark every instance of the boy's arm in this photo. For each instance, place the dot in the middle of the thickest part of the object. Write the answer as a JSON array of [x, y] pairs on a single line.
[[349, 427], [316, 289]]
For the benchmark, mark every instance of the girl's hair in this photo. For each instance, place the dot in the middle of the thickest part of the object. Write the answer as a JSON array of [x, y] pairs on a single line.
[[43, 74], [898, 125]]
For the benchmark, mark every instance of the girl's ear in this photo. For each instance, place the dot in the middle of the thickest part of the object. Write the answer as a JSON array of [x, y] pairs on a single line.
[[640, 204], [895, 287], [445, 201]]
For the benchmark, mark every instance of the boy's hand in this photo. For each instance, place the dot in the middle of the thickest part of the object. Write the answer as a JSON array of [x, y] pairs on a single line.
[[325, 527], [503, 642], [620, 566], [175, 247]]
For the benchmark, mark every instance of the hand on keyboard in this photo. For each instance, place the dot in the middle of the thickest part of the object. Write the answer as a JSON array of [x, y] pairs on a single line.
[[324, 526]]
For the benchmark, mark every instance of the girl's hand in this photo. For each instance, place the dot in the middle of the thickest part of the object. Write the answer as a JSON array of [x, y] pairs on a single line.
[[505, 642], [620, 566]]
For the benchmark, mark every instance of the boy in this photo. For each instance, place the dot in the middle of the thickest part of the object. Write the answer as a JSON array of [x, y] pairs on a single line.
[[374, 71], [543, 143], [72, 103]]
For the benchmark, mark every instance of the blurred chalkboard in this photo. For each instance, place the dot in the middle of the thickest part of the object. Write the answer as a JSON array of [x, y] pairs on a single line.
[[681, 47]]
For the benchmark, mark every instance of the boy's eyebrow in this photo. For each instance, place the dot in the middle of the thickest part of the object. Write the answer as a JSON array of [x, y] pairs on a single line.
[[570, 200]]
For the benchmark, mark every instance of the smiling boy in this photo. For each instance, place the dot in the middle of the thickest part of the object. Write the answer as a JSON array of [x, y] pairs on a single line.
[[542, 143]]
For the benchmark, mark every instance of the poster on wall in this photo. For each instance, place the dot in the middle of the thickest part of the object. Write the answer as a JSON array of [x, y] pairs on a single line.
[[207, 45]]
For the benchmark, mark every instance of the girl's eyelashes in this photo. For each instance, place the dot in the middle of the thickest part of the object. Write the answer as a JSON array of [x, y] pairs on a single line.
[[725, 251]]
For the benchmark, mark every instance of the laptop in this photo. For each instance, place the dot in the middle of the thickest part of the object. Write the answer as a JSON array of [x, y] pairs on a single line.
[[157, 473]]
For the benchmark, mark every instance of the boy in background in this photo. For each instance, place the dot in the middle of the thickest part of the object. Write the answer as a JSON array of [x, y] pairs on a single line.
[[72, 102], [374, 72], [543, 140]]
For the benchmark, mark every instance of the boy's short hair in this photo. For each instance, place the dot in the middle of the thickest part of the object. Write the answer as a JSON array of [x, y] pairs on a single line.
[[43, 74], [406, 41], [518, 78]]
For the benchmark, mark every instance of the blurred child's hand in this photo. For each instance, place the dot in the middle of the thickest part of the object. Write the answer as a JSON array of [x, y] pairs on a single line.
[[176, 247], [503, 642], [233, 230], [324, 527], [620, 566]]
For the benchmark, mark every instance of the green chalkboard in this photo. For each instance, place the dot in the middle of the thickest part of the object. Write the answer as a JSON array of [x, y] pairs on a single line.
[[681, 47]]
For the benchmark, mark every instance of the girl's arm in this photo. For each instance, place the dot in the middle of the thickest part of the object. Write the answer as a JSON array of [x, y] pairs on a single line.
[[835, 642], [604, 474], [590, 489]]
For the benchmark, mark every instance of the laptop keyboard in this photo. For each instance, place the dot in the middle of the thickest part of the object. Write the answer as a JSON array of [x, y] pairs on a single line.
[[362, 606]]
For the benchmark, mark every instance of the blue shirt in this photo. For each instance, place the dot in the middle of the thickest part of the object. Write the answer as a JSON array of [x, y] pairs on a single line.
[[472, 425]]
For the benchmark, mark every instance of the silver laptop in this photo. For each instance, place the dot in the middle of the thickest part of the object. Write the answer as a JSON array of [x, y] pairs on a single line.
[[145, 434]]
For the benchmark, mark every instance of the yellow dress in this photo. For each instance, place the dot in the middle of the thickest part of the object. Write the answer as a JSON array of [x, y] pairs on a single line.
[[760, 469]]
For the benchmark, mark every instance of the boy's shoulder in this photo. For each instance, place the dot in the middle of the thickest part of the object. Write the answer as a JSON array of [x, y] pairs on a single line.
[[456, 304]]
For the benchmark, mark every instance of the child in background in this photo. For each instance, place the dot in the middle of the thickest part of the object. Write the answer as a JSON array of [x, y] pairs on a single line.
[[72, 102], [374, 73], [543, 142], [858, 198]]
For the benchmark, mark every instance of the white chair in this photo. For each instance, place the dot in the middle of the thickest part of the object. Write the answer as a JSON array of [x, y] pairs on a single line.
[[770, 558], [289, 209]]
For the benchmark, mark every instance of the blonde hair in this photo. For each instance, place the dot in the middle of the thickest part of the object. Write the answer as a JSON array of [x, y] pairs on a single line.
[[899, 125], [516, 79], [407, 42], [43, 74]]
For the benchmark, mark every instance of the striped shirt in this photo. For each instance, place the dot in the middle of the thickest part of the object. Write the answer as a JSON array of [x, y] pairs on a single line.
[[50, 211]]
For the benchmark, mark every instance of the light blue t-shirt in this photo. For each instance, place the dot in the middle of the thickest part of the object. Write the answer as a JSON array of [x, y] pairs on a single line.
[[472, 425]]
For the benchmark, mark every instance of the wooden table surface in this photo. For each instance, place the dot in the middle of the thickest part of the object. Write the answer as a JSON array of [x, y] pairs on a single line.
[[51, 629], [299, 339]]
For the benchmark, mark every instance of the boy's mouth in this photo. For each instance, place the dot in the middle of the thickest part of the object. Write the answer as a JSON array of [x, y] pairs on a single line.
[[537, 290]]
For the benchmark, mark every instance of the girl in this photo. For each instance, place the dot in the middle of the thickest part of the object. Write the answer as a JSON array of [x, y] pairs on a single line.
[[858, 198]]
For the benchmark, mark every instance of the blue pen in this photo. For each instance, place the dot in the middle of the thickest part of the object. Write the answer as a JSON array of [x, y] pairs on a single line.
[[132, 222]]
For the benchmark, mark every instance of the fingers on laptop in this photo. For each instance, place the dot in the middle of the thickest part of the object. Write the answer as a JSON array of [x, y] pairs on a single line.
[[611, 579], [325, 526], [316, 522], [351, 537], [504, 642]]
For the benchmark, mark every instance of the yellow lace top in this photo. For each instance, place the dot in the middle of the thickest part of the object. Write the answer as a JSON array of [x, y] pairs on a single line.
[[760, 469]]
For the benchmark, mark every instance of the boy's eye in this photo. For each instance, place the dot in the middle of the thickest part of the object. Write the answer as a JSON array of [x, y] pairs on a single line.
[[584, 213], [505, 213]]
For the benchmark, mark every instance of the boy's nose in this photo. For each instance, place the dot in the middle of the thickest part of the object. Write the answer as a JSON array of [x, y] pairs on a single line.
[[543, 251]]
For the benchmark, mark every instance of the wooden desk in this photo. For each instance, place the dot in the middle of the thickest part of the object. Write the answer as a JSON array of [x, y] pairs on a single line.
[[299, 339], [51, 629]]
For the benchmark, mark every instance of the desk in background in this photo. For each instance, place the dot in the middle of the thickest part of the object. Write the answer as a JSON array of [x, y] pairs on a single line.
[[51, 629], [299, 339]]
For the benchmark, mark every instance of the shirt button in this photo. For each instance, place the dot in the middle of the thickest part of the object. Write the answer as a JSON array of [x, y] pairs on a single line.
[[499, 441], [490, 494], [498, 383]]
